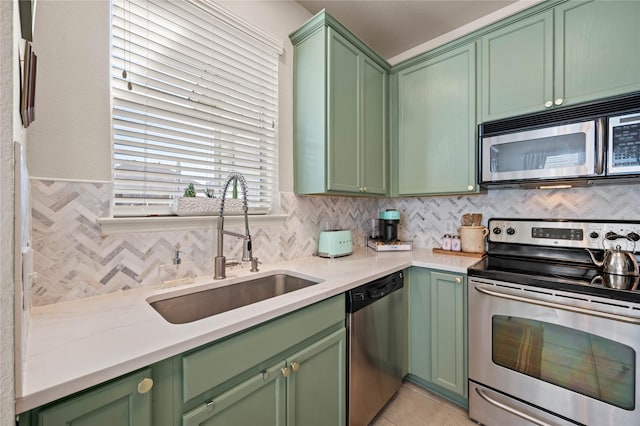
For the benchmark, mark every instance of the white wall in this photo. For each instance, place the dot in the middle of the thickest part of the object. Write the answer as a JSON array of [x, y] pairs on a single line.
[[70, 138], [10, 131]]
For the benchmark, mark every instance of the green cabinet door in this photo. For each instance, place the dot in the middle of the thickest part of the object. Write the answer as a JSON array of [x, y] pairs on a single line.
[[517, 68], [373, 128], [259, 401], [419, 335], [437, 332], [343, 124], [597, 52], [316, 384], [435, 149], [448, 326], [124, 402]]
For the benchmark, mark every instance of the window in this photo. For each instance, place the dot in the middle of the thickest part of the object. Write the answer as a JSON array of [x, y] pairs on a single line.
[[194, 97]]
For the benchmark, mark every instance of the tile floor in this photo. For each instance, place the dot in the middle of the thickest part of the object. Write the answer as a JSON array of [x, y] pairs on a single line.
[[413, 406]]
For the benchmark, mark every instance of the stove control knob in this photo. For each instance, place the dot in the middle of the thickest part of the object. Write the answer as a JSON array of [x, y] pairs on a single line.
[[497, 231], [611, 235], [633, 236], [510, 231], [594, 235]]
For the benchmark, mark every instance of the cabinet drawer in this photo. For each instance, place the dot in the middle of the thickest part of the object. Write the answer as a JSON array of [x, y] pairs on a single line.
[[211, 366]]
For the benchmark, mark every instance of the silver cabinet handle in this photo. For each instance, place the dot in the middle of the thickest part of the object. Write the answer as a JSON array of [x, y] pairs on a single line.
[[509, 409], [558, 101], [548, 104], [458, 280], [593, 312], [295, 366]]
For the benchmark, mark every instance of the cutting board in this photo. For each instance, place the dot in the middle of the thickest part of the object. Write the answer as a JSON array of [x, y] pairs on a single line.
[[458, 253]]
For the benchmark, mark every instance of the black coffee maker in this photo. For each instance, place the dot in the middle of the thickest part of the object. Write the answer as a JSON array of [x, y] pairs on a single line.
[[388, 221]]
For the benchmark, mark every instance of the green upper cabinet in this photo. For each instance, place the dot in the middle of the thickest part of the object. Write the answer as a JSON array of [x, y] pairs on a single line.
[[577, 51], [433, 151], [340, 112], [517, 67], [597, 53]]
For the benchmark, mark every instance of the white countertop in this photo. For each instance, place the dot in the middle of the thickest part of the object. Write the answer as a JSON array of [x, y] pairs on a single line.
[[74, 345]]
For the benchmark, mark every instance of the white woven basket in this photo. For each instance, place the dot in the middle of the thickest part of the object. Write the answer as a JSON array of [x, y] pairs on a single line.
[[200, 206]]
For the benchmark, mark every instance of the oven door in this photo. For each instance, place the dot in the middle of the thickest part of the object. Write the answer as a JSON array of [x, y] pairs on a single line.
[[567, 354]]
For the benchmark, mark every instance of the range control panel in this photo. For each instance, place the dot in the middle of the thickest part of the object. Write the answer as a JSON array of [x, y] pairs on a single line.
[[594, 234]]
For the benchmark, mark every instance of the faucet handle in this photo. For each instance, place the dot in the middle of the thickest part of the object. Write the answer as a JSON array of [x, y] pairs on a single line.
[[232, 262], [254, 264]]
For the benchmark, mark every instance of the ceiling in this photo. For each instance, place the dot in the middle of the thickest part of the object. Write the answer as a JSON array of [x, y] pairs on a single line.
[[391, 27]]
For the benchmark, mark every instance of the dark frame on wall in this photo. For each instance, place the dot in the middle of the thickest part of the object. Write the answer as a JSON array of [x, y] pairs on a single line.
[[28, 86], [27, 9]]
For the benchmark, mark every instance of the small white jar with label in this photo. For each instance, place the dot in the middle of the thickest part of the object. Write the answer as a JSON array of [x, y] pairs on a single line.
[[446, 242], [455, 243]]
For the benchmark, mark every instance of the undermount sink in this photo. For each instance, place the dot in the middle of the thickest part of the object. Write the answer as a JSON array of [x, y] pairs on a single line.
[[201, 304]]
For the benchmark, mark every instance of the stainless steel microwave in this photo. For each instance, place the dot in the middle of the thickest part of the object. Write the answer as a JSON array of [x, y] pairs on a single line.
[[593, 143]]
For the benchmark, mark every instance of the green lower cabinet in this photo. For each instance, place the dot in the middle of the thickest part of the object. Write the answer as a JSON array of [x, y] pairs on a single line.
[[438, 332], [316, 386], [258, 401], [123, 402], [308, 388], [287, 371]]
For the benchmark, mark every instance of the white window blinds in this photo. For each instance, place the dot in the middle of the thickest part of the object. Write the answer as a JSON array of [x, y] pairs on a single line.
[[194, 97]]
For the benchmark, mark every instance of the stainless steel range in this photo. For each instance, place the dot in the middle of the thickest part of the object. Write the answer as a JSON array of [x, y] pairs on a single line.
[[553, 337]]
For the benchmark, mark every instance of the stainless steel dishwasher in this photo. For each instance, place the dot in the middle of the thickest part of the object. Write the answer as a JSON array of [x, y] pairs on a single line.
[[375, 346]]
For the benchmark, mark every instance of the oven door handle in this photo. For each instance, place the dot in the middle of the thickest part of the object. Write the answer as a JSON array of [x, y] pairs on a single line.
[[576, 309], [509, 409]]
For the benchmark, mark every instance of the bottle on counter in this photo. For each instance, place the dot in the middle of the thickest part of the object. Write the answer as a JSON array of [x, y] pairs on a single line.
[[446, 242], [455, 243]]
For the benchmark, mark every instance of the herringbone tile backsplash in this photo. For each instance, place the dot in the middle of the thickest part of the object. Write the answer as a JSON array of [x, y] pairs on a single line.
[[73, 260]]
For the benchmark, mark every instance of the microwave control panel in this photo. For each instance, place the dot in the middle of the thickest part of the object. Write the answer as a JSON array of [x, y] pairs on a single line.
[[624, 144], [566, 233]]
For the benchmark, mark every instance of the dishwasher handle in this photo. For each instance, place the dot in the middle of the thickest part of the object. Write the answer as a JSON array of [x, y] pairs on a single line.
[[367, 294]]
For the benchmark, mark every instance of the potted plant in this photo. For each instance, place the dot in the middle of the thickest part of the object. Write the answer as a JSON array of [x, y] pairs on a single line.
[[190, 204]]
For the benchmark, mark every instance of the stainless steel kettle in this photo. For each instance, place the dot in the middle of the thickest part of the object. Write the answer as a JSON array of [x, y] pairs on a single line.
[[617, 262]]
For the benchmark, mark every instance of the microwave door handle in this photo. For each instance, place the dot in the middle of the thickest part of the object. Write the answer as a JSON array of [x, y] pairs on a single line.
[[600, 129]]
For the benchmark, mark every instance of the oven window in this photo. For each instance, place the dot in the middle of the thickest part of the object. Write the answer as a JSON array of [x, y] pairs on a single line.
[[582, 362]]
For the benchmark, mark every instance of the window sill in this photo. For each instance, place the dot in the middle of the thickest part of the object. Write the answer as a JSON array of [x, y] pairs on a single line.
[[118, 225]]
